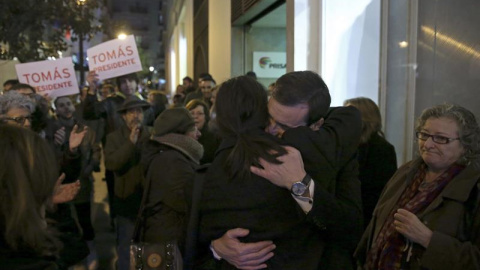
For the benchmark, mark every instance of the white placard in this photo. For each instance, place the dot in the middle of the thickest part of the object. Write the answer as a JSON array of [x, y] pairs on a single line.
[[114, 58], [55, 78], [269, 64]]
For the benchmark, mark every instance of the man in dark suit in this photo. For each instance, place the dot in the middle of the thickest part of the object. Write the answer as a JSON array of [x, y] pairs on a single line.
[[325, 183]]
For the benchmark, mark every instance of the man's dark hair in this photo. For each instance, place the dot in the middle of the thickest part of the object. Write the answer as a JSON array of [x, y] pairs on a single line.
[[299, 87], [188, 79], [204, 75], [251, 74], [209, 79], [131, 76], [55, 101], [11, 82], [23, 86]]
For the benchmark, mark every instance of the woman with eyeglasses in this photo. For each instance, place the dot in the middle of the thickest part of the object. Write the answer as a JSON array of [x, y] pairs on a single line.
[[201, 115], [427, 216], [16, 109]]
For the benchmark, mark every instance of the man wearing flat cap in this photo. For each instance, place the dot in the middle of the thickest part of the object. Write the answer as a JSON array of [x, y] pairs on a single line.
[[122, 156]]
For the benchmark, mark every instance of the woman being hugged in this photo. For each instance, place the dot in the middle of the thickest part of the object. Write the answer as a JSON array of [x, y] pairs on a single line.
[[427, 216]]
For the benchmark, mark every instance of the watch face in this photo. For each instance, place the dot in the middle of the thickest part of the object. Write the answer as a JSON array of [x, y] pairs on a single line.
[[298, 188]]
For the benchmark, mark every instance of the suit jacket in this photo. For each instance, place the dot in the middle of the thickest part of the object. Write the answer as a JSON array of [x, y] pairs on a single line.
[[453, 217], [329, 156]]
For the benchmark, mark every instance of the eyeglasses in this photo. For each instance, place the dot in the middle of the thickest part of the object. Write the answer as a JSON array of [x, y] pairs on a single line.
[[19, 120], [435, 138]]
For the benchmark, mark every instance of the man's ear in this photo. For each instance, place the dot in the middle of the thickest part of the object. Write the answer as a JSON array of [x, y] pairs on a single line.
[[316, 126]]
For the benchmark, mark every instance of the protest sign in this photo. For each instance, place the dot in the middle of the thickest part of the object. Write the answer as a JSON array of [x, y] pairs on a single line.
[[55, 78], [114, 58]]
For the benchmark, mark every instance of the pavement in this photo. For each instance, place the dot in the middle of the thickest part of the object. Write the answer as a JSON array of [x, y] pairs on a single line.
[[104, 233]]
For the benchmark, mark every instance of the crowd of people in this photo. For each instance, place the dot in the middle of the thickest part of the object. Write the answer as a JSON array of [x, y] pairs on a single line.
[[233, 176]]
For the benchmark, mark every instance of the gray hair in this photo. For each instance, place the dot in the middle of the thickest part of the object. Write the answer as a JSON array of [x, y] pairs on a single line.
[[468, 129], [13, 99]]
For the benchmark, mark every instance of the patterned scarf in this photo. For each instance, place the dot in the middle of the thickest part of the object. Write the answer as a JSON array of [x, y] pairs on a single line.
[[390, 246]]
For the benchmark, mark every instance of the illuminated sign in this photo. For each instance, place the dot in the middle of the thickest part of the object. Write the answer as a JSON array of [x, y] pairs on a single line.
[[269, 64]]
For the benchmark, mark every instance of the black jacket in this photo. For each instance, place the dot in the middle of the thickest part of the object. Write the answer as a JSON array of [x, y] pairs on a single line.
[[377, 163], [167, 171]]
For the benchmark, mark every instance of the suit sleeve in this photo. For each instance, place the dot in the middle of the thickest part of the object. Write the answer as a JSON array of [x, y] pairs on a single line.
[[337, 207]]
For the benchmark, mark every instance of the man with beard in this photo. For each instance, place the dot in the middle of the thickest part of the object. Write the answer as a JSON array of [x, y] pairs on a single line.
[[122, 156], [89, 152], [106, 109]]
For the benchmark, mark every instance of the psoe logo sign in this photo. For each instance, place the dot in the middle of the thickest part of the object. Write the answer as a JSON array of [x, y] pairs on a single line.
[[264, 61], [267, 63]]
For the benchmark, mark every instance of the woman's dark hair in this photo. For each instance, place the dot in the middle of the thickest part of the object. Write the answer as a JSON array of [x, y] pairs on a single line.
[[371, 118], [27, 180], [192, 104], [242, 113]]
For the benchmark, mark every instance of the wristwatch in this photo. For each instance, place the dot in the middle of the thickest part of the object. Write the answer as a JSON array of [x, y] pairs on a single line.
[[298, 188]]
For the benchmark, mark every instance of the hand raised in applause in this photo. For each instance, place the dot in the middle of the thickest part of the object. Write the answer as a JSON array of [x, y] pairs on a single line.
[[134, 134], [76, 138], [65, 192], [59, 136]]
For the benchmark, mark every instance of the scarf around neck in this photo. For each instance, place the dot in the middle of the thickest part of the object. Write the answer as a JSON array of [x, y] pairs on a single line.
[[390, 246]]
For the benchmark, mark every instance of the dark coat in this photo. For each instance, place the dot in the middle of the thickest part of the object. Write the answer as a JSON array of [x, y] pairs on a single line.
[[167, 171], [324, 238], [453, 217], [268, 211], [24, 259], [106, 109], [210, 142], [377, 162], [123, 158], [88, 150]]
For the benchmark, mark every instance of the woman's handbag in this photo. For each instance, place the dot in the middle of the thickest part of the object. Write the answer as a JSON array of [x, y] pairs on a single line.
[[155, 256]]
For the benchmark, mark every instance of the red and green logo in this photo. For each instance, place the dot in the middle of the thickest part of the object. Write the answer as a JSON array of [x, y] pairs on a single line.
[[264, 61]]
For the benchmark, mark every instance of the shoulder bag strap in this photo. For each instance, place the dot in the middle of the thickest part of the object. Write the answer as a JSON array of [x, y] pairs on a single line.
[[140, 221]]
